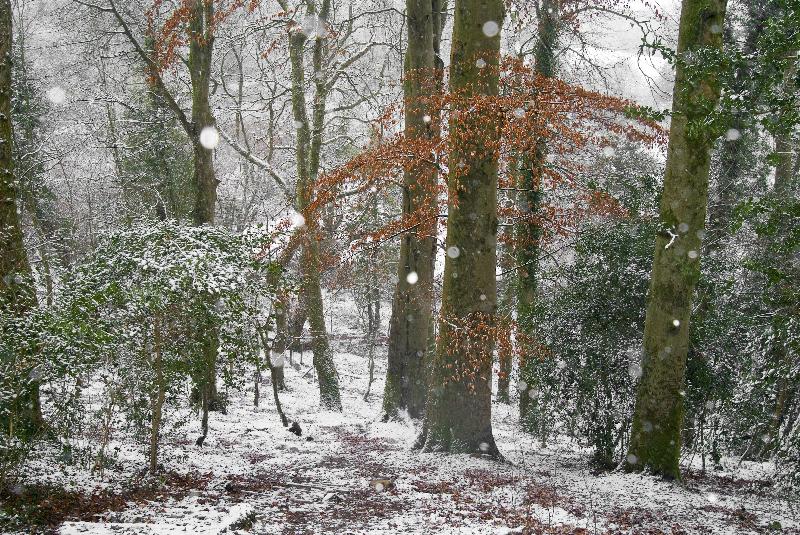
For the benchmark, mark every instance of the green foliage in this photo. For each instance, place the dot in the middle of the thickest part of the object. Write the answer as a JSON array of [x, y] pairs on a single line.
[[591, 322], [754, 84], [126, 316], [155, 160]]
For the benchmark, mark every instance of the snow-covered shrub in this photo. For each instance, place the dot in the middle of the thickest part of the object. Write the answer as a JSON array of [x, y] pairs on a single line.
[[591, 320], [152, 306]]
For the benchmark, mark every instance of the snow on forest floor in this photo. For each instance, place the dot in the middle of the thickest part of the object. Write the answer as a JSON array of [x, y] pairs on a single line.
[[253, 476]]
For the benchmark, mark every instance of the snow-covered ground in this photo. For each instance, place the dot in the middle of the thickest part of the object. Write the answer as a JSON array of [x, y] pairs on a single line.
[[253, 476]]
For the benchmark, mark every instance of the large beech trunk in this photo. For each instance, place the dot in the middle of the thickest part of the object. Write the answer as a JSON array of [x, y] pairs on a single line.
[[658, 416], [409, 336], [458, 411]]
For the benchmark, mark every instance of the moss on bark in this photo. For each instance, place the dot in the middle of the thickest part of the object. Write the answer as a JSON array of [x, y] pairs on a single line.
[[458, 411], [658, 416]]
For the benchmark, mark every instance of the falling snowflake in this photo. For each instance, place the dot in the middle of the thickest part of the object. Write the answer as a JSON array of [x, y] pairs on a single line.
[[56, 95], [480, 63], [453, 251], [297, 220], [732, 134], [209, 137], [313, 26], [412, 277], [277, 360], [490, 28]]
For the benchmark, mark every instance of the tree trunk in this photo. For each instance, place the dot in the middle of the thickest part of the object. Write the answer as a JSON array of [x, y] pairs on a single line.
[[157, 396], [458, 411], [297, 322], [406, 383], [505, 353], [373, 296], [280, 345], [506, 291], [201, 46], [17, 293], [658, 416], [528, 232], [308, 153], [782, 291]]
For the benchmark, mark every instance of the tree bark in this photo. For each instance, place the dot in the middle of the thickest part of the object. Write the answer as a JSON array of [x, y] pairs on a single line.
[[308, 154], [505, 353], [658, 416], [157, 399], [17, 293], [406, 383], [528, 233], [458, 411], [201, 46], [280, 344]]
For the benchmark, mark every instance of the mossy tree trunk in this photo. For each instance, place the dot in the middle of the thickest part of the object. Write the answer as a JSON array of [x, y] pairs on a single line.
[[658, 415], [458, 411], [528, 232], [406, 382], [17, 293], [309, 144], [782, 292], [201, 47]]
